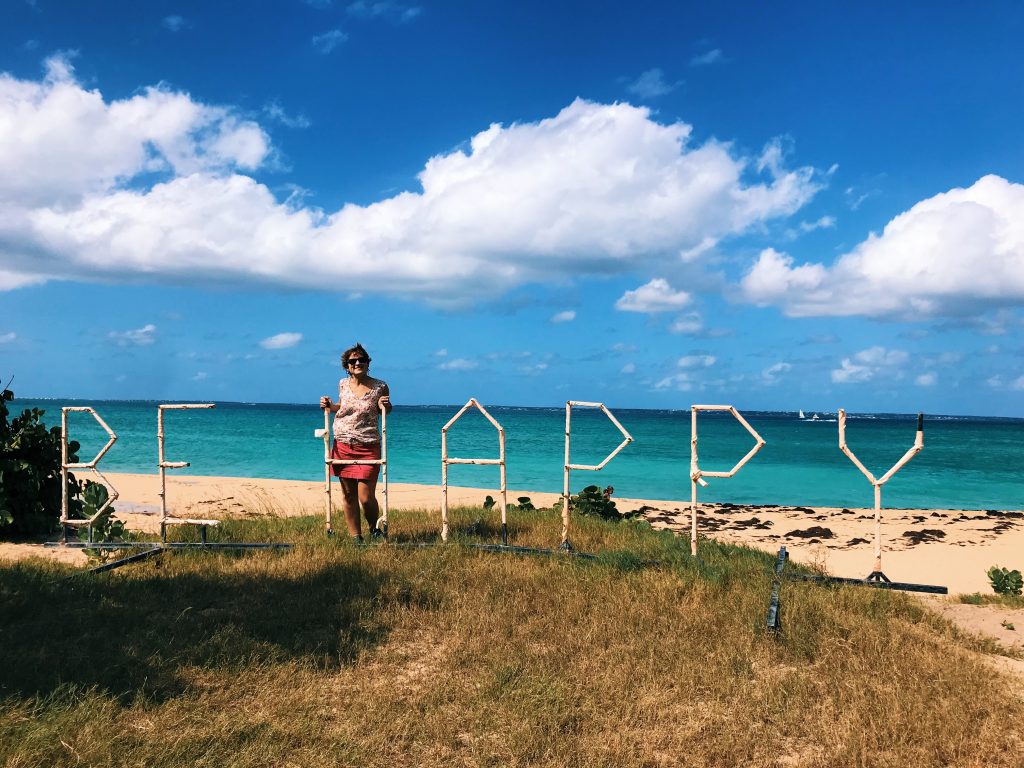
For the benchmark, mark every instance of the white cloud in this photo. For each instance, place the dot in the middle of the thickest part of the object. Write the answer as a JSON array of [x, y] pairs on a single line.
[[174, 23], [696, 361], [1017, 384], [710, 57], [597, 189], [7, 338], [681, 381], [441, 353], [869, 364], [535, 369], [628, 368], [139, 337], [281, 340], [960, 252], [652, 84], [655, 296], [200, 376], [458, 364], [397, 13], [771, 374], [825, 222], [328, 41], [564, 317], [690, 323], [274, 111], [929, 379]]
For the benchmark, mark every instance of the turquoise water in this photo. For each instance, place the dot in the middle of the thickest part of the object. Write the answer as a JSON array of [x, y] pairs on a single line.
[[967, 462]]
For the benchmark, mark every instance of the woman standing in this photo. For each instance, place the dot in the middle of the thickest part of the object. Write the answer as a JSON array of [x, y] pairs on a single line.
[[357, 437]]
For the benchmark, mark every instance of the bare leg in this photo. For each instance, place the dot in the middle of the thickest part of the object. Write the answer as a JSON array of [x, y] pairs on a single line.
[[350, 493], [368, 501]]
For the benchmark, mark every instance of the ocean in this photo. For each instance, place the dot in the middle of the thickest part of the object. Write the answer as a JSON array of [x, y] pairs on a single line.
[[967, 462]]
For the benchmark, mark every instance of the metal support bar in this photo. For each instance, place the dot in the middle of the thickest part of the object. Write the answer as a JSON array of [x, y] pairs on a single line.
[[877, 584]]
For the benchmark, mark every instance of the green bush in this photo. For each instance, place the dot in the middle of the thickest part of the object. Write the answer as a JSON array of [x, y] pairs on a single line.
[[593, 501], [30, 477], [1005, 582]]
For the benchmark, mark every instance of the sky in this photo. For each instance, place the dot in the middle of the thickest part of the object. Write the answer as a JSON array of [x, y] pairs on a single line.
[[778, 206]]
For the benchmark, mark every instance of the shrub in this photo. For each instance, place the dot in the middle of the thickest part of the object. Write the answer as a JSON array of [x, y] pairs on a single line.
[[30, 477], [1005, 582], [593, 501], [524, 505]]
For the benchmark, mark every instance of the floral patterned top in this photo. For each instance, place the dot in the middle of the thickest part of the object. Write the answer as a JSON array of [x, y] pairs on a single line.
[[357, 420]]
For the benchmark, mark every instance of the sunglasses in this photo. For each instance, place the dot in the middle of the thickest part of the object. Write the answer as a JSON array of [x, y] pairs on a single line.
[[357, 361]]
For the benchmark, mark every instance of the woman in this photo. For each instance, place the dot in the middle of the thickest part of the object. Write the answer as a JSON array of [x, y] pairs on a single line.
[[357, 436]]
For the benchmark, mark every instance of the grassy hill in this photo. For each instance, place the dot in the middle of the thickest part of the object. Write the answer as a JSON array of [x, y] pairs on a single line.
[[388, 655]]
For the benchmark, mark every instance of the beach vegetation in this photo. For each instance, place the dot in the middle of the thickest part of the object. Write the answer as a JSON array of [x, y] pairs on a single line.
[[407, 654], [523, 504], [30, 472], [595, 502], [1004, 581]]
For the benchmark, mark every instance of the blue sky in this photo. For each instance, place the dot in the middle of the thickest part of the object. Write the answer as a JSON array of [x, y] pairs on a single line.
[[779, 206]]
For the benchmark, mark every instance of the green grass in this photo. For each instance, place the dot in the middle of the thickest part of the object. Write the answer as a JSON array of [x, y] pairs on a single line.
[[1007, 601], [393, 655]]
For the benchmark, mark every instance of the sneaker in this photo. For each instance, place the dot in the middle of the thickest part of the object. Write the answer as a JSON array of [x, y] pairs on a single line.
[[357, 540], [377, 535]]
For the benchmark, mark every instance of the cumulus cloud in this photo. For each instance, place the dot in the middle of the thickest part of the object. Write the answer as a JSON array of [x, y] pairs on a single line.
[[281, 340], [174, 23], [689, 324], [628, 368], [328, 41], [681, 381], [274, 111], [7, 338], [929, 379], [771, 374], [564, 317], [869, 364], [696, 361], [397, 13], [655, 296], [958, 253], [596, 189], [459, 364], [652, 84], [139, 337], [710, 57]]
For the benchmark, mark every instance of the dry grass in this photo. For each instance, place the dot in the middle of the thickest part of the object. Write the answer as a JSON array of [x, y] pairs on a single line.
[[408, 656]]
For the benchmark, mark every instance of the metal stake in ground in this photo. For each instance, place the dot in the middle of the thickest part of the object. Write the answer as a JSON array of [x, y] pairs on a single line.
[[500, 461], [876, 574], [566, 545], [325, 433], [697, 475]]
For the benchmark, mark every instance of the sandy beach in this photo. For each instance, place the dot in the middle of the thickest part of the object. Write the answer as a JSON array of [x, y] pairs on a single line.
[[951, 548]]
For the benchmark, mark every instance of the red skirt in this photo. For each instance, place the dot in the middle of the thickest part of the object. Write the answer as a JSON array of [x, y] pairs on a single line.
[[350, 452]]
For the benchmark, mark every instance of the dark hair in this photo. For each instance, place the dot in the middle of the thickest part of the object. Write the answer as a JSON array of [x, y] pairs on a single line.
[[358, 348]]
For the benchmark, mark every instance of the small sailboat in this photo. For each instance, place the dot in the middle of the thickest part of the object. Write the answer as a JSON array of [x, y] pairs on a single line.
[[815, 417], [802, 415]]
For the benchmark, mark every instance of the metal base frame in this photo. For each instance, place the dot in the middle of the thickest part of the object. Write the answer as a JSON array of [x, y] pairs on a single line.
[[875, 579]]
